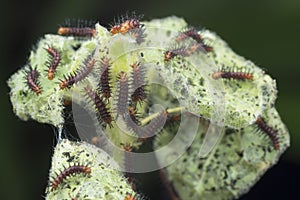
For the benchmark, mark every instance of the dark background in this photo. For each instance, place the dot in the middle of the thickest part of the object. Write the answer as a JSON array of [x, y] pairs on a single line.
[[265, 31]]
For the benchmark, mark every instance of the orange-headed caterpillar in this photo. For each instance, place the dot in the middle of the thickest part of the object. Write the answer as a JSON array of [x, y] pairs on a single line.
[[138, 82], [122, 97], [53, 62], [103, 114], [232, 75], [126, 24], [75, 169], [79, 28], [80, 74], [260, 122], [32, 76], [104, 86]]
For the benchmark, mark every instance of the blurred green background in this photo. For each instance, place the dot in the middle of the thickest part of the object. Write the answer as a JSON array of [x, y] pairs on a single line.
[[265, 31]]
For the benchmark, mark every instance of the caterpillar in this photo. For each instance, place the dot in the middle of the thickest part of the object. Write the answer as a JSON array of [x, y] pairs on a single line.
[[54, 62], [32, 76], [125, 26], [149, 130], [122, 98], [269, 131], [191, 33], [68, 172], [186, 51], [80, 32], [156, 124], [80, 74], [104, 86], [232, 75], [132, 121], [103, 114], [78, 29], [138, 82], [133, 114]]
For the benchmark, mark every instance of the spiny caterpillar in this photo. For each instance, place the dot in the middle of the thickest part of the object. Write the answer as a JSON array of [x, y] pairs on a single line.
[[104, 85], [32, 76], [190, 33], [103, 113], [262, 125], [126, 25], [193, 34], [53, 62], [148, 130], [80, 74], [138, 82], [76, 169], [232, 75], [154, 126], [186, 51], [122, 96], [131, 120], [78, 30]]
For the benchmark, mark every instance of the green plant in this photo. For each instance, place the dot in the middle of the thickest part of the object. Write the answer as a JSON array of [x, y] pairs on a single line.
[[220, 146]]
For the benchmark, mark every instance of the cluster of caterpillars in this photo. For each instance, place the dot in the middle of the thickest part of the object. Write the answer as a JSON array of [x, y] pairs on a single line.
[[79, 29], [223, 73], [130, 88], [125, 103]]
